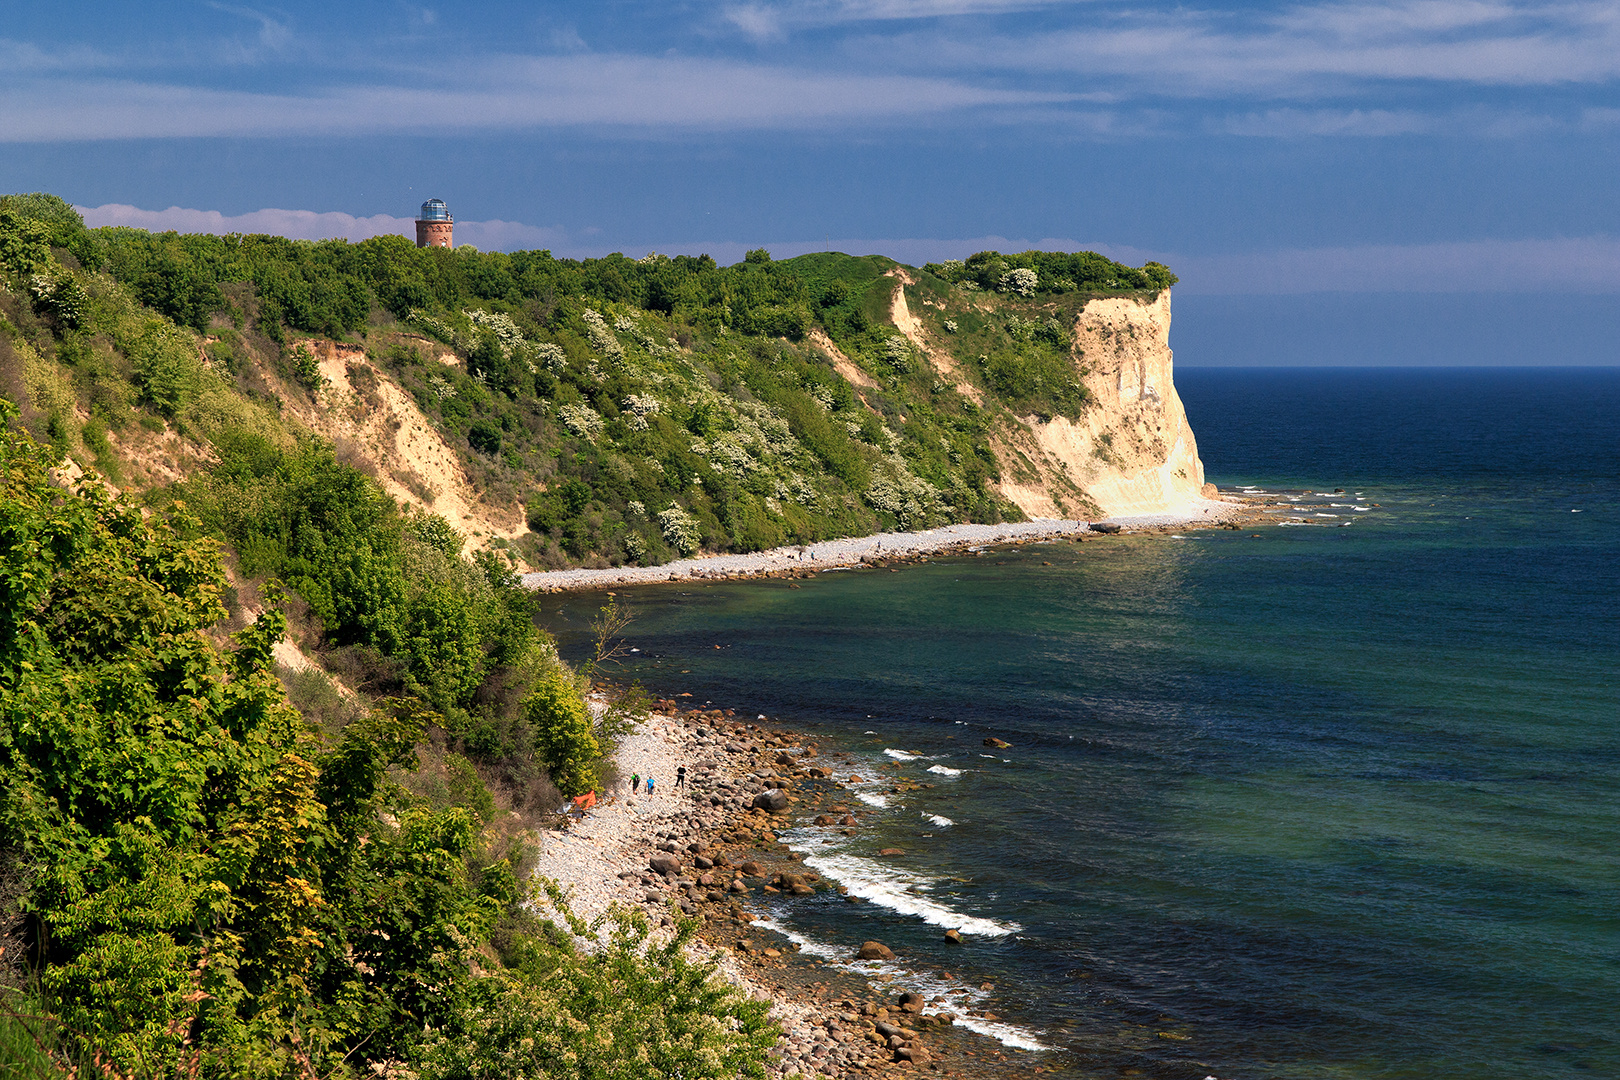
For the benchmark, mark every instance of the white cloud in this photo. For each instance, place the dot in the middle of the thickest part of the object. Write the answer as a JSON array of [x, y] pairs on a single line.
[[274, 35], [495, 235], [1289, 123], [26, 58], [507, 93], [1581, 264], [763, 20], [1306, 49]]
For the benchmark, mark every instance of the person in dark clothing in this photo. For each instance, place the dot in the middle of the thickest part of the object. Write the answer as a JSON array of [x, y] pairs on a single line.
[[680, 776]]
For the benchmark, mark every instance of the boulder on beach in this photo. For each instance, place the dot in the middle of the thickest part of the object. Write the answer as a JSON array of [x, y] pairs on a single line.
[[911, 1002], [891, 851], [801, 889], [668, 865], [752, 869], [874, 950], [774, 800], [823, 819]]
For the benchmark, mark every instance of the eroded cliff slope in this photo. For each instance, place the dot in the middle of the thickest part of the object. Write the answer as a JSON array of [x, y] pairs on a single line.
[[1131, 452]]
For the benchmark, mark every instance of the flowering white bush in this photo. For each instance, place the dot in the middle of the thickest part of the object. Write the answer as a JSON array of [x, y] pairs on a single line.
[[680, 529], [898, 354], [1021, 281], [914, 502], [582, 420], [727, 456], [639, 406], [601, 335], [635, 545], [950, 326], [502, 326], [822, 395], [636, 507], [441, 386], [626, 324], [423, 321], [552, 356]]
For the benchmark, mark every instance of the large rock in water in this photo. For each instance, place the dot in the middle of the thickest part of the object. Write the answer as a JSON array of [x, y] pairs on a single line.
[[775, 800], [875, 950]]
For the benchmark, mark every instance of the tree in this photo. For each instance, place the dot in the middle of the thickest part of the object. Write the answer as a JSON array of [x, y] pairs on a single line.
[[562, 727]]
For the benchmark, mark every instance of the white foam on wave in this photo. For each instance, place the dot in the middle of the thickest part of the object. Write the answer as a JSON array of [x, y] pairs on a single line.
[[879, 801], [902, 755], [805, 944], [1007, 1034], [992, 757], [939, 819], [944, 770], [1361, 508], [900, 891], [957, 997]]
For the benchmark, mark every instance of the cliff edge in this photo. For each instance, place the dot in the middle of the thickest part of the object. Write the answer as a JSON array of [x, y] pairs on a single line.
[[1131, 452]]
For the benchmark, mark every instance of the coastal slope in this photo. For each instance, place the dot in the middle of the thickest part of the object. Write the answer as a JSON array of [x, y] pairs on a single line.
[[1132, 453], [609, 413]]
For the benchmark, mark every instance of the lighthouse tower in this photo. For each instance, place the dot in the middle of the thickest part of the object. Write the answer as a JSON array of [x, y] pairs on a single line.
[[434, 227]]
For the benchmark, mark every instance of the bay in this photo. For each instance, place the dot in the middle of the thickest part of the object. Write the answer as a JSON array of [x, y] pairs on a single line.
[[1337, 800]]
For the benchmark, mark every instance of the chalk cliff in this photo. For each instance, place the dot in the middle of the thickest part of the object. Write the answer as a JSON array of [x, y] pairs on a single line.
[[1132, 451]]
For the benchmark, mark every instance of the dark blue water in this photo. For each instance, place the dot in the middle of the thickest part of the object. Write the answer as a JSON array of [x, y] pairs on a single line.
[[1339, 799]]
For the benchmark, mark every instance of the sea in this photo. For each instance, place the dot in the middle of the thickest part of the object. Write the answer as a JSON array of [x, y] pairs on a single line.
[[1337, 796]]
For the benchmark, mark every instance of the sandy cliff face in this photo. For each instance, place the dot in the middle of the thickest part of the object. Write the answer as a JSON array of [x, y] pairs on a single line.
[[1131, 452], [362, 408]]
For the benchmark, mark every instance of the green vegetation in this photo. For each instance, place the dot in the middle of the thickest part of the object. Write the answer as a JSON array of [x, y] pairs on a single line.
[[218, 866], [1033, 273], [208, 885], [215, 866], [640, 408]]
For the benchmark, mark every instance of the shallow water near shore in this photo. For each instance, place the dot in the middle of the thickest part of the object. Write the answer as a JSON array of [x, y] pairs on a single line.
[[1340, 801]]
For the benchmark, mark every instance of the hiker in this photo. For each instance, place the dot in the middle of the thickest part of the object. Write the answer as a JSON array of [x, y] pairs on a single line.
[[680, 777], [649, 785], [635, 783]]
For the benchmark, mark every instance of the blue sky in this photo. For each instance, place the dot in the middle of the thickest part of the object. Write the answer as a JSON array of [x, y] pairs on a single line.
[[1322, 162]]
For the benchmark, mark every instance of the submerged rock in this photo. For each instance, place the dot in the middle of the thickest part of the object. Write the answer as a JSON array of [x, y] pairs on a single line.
[[874, 950]]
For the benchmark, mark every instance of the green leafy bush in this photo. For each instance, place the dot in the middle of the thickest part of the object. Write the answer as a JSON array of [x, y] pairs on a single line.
[[562, 726]]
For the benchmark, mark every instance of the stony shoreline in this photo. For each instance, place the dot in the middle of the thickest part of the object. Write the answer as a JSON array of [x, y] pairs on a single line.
[[703, 851], [882, 547]]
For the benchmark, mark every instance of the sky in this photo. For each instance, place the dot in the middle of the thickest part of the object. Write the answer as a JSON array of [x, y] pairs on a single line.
[[1363, 182]]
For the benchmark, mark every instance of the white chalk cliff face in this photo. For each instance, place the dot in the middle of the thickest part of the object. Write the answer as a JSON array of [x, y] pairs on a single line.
[[1131, 453]]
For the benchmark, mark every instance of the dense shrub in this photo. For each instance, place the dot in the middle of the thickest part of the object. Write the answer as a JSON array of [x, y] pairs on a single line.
[[212, 888]]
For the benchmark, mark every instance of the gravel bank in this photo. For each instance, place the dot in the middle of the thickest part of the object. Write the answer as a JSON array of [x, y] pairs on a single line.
[[850, 551], [715, 850]]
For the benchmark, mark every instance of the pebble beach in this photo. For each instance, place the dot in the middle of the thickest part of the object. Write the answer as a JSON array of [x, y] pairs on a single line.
[[707, 850], [855, 550]]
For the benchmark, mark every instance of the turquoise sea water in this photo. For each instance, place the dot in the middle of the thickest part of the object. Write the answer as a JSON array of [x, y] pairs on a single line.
[[1339, 800]]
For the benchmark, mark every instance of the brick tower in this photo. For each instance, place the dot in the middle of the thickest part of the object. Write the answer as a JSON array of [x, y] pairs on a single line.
[[434, 227]]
